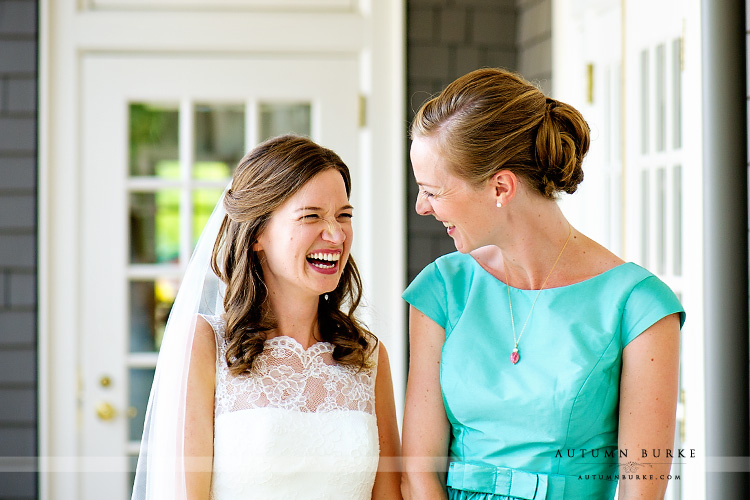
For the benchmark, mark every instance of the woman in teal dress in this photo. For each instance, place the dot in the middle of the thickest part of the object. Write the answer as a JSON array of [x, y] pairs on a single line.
[[541, 365]]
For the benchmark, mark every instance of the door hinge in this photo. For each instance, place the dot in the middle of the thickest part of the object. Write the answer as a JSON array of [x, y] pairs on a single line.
[[362, 111]]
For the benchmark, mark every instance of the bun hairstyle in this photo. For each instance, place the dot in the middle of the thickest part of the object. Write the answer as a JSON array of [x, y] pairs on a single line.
[[491, 120], [264, 179]]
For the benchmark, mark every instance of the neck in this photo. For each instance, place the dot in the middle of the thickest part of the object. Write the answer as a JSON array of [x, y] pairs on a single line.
[[530, 247], [295, 318]]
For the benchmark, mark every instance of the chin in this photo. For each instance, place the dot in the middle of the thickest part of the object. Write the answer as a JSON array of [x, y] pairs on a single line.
[[462, 247]]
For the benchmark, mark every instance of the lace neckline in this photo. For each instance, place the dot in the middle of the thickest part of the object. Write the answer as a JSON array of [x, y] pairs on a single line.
[[292, 343]]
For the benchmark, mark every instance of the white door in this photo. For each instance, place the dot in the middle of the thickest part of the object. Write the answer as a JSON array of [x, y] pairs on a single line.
[[162, 138], [592, 82], [663, 195], [147, 106], [632, 69]]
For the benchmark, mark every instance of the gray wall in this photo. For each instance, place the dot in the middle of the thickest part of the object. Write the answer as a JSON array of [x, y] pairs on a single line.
[[18, 166], [534, 38], [448, 38]]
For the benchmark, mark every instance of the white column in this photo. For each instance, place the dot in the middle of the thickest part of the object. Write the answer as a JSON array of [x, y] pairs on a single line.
[[725, 246]]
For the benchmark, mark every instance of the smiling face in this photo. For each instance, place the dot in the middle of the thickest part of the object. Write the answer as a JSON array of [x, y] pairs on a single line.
[[465, 211], [306, 243]]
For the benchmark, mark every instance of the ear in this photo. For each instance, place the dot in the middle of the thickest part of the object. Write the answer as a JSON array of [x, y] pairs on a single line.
[[504, 185], [257, 247]]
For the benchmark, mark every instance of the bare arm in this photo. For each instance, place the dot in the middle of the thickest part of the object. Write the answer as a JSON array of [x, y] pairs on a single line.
[[388, 476], [648, 401], [426, 427], [199, 413]]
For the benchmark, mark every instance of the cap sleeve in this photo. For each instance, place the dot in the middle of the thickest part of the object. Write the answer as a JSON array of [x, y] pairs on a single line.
[[649, 301], [427, 293]]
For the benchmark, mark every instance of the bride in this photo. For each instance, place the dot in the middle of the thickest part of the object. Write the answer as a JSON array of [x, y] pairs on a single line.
[[267, 386]]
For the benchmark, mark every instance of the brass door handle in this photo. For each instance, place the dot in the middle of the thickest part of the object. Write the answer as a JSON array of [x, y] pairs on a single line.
[[105, 411]]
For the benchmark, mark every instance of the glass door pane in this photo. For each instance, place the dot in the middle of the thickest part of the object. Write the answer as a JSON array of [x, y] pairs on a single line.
[[180, 163], [219, 140], [284, 118], [154, 227], [153, 139]]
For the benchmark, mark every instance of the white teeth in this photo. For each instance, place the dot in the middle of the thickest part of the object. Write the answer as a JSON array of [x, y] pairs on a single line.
[[323, 266], [330, 257], [448, 225]]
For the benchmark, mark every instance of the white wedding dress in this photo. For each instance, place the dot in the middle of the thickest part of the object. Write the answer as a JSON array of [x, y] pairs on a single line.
[[298, 426]]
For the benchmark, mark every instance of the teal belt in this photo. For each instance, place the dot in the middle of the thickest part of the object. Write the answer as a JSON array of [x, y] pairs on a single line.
[[485, 478]]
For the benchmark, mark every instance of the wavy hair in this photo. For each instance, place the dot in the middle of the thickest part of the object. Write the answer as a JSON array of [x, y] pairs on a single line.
[[491, 119], [264, 179]]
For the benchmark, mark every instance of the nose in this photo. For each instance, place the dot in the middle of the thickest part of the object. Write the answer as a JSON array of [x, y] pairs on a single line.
[[423, 206], [334, 232]]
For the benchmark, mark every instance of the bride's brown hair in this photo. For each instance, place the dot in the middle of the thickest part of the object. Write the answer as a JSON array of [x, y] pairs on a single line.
[[264, 179]]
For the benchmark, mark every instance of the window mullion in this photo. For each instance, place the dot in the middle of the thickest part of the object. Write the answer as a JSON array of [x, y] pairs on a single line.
[[187, 148], [251, 124]]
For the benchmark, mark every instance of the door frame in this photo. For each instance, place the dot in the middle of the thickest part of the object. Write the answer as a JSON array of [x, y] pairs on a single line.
[[70, 29]]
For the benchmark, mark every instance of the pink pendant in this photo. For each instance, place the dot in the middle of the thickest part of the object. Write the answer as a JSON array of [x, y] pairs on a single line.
[[514, 356]]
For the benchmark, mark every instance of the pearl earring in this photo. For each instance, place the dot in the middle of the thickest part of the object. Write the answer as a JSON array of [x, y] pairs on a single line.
[[499, 205]]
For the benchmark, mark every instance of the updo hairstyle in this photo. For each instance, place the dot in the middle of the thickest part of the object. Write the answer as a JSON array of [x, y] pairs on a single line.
[[264, 179], [491, 119]]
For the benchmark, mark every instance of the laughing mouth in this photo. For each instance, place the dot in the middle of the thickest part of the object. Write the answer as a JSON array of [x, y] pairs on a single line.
[[324, 260], [449, 225]]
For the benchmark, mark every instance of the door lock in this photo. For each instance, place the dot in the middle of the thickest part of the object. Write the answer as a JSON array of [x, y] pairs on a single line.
[[105, 411]]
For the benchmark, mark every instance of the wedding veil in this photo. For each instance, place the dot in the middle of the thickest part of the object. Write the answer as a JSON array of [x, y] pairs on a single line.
[[160, 473]]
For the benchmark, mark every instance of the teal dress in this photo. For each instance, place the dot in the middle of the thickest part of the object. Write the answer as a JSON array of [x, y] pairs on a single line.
[[545, 428]]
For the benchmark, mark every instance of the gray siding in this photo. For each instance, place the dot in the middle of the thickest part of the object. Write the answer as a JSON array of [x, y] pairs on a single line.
[[448, 38], [535, 42], [18, 278]]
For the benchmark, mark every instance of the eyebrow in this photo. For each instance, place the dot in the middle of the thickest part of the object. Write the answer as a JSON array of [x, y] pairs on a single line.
[[319, 209]]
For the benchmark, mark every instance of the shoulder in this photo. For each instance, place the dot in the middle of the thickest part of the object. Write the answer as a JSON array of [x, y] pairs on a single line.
[[381, 355], [382, 366], [377, 357], [623, 283], [206, 329], [203, 354], [649, 286], [455, 262], [588, 259], [440, 290], [640, 280], [648, 300], [209, 324], [630, 274], [445, 270]]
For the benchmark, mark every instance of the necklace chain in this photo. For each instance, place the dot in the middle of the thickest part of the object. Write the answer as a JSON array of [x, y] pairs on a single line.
[[515, 356]]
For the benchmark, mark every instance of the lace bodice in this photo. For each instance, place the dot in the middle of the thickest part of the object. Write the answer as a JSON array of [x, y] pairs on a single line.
[[298, 425]]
